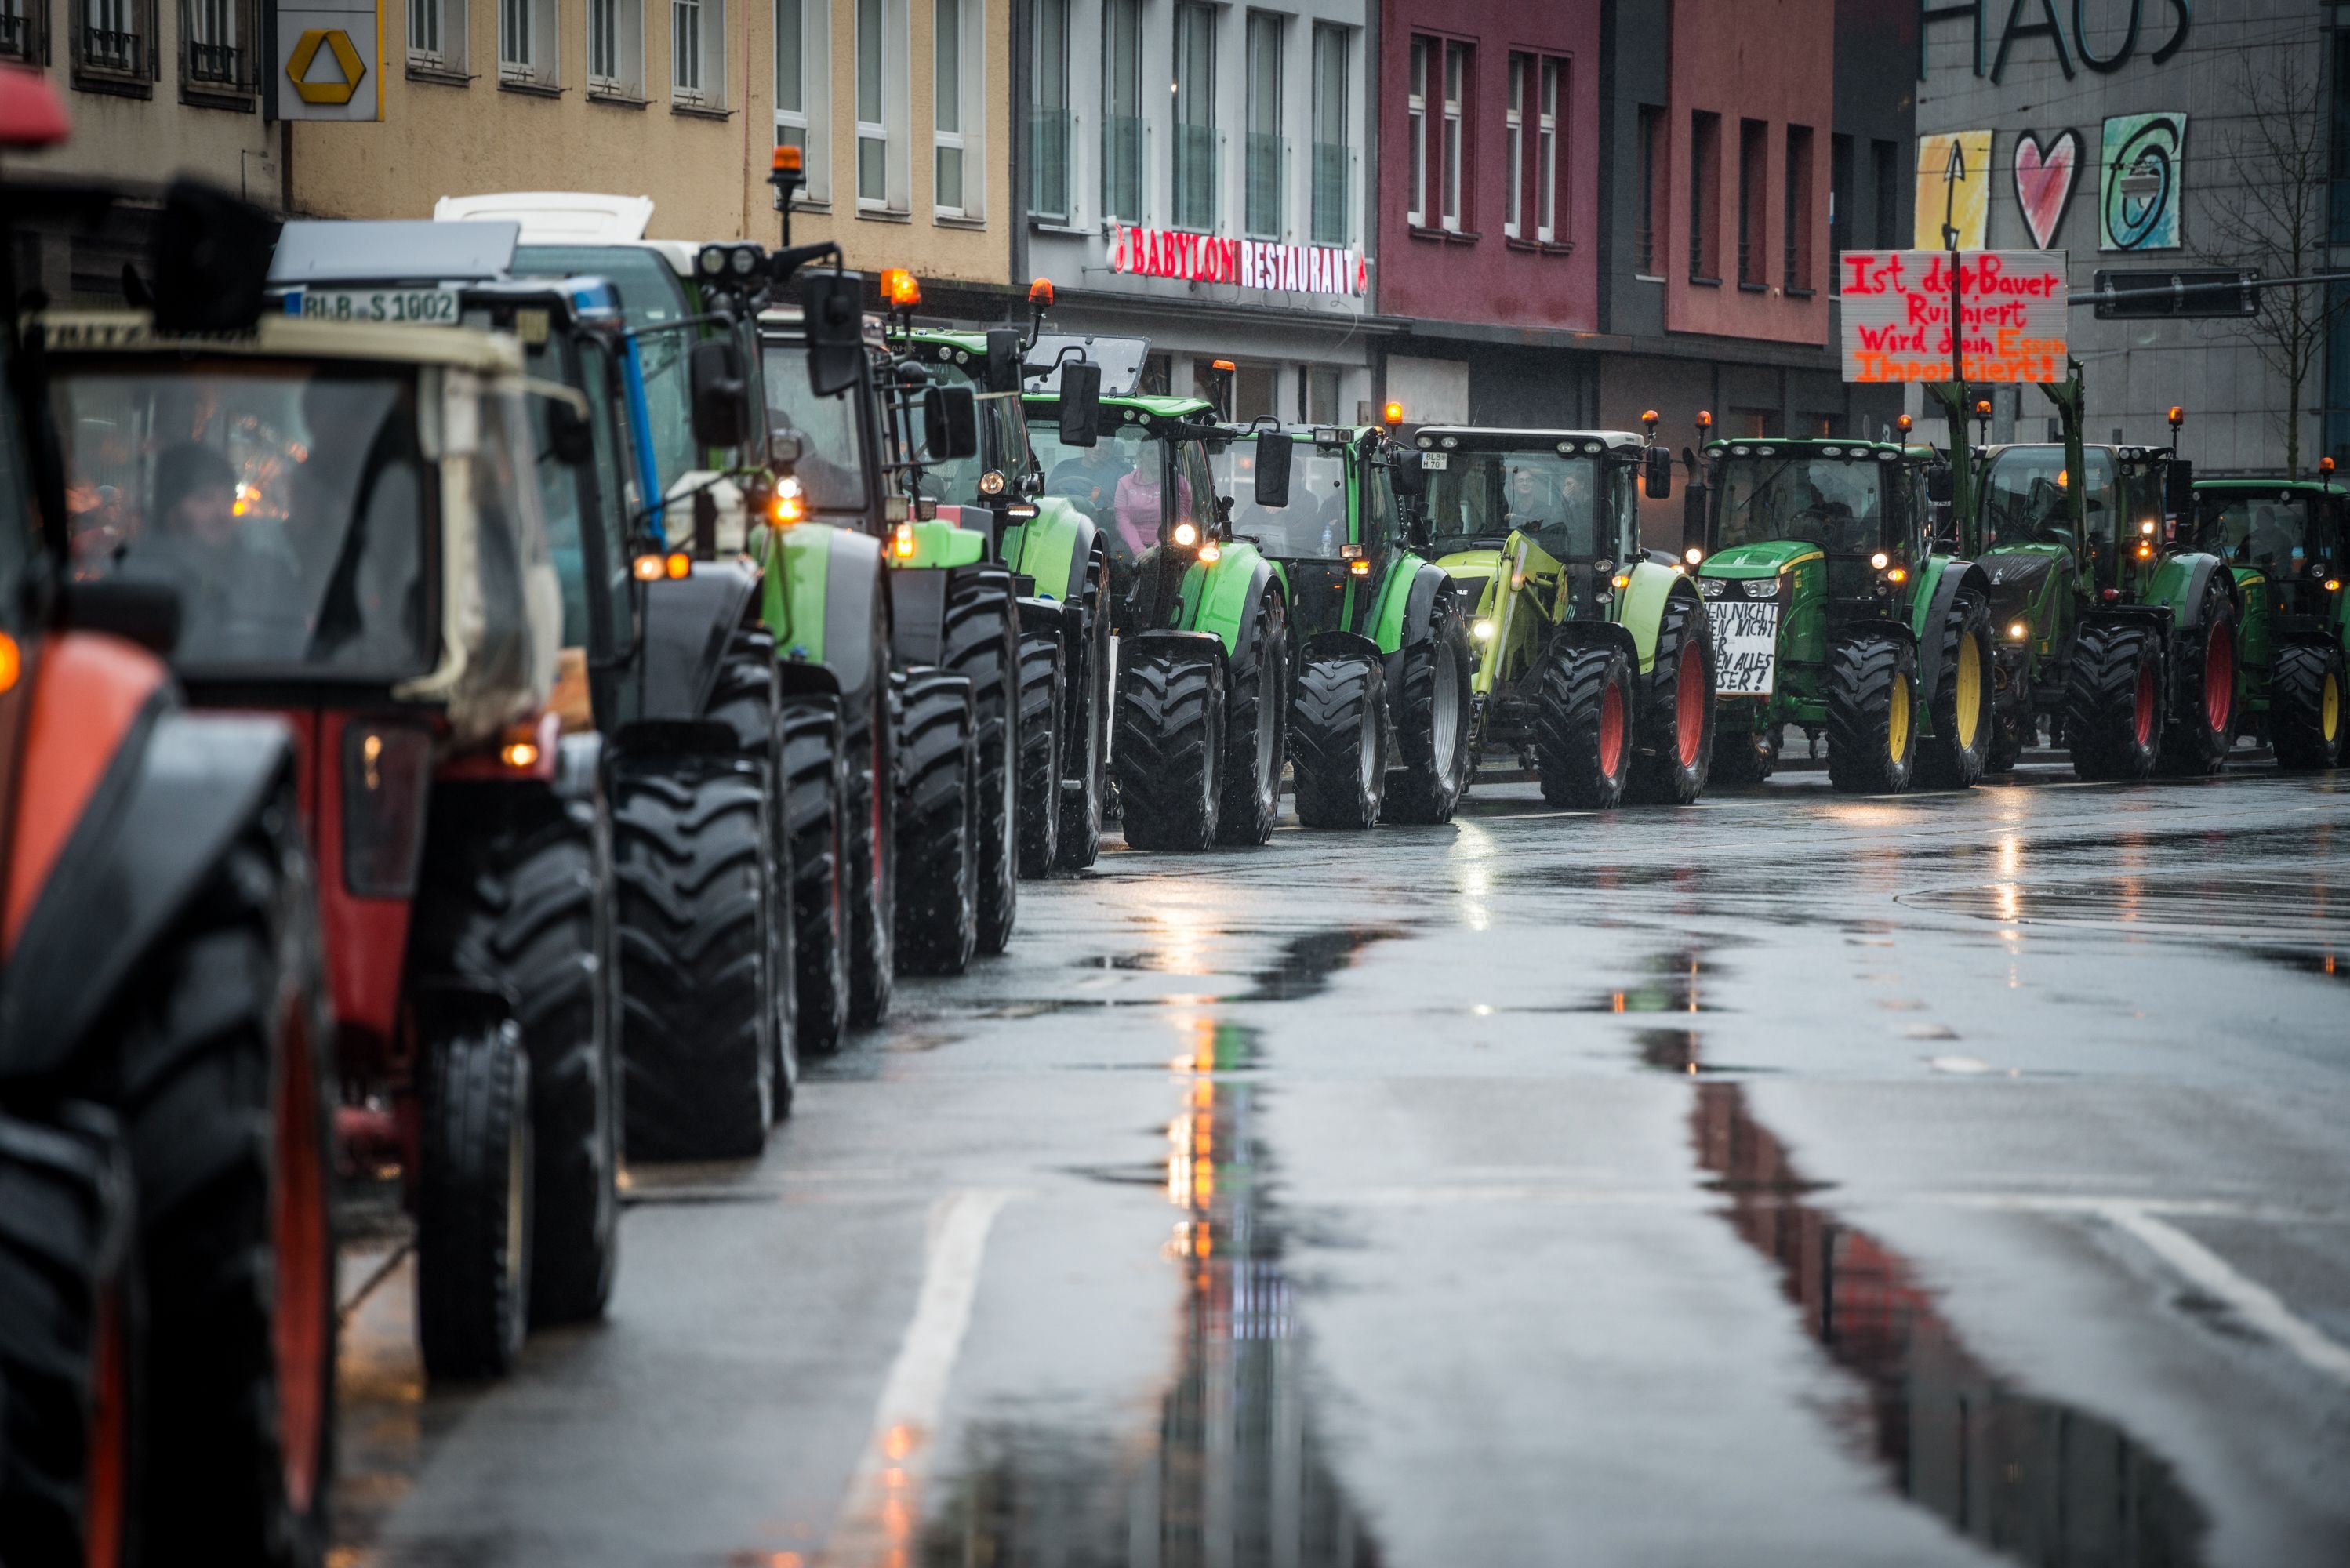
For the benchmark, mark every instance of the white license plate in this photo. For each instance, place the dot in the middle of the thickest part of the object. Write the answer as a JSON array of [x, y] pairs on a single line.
[[1436, 462], [1745, 647], [405, 307]]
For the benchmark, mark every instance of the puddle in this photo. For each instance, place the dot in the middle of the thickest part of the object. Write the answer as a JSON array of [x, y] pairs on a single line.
[[1307, 962], [1677, 1051], [2035, 1479], [2328, 962], [1678, 986], [2204, 905], [1233, 1472]]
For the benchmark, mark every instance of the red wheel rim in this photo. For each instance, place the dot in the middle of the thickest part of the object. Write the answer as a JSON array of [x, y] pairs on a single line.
[[2219, 679], [2144, 715], [1688, 708], [1611, 729], [110, 1429], [302, 1262]]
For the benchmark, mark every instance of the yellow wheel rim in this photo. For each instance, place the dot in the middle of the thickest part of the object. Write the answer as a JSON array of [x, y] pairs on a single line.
[[2329, 709], [1897, 722], [1969, 677]]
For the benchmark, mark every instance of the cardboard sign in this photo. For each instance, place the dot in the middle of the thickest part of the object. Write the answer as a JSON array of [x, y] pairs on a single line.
[[1896, 315], [1745, 647]]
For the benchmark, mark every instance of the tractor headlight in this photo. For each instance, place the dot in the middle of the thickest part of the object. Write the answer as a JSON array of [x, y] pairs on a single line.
[[1761, 587], [1694, 554], [1880, 560], [1186, 536], [992, 483], [1482, 629], [2017, 631]]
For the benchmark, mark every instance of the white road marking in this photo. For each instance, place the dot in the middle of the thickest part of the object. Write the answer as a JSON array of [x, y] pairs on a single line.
[[2254, 1302], [879, 1514]]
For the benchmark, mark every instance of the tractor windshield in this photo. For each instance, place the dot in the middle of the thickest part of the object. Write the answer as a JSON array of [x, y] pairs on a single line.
[[2024, 497], [289, 503], [1835, 502], [2280, 532], [1119, 481], [1313, 526], [1482, 497], [1003, 443], [831, 465], [650, 297]]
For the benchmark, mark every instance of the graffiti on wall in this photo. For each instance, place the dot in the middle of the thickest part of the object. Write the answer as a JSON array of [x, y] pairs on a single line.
[[2043, 182], [2138, 205], [1959, 195], [2143, 25]]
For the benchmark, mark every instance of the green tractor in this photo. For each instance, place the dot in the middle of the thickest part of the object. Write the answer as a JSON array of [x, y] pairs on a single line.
[[2124, 642], [2284, 541], [1379, 719], [1837, 606], [1594, 660], [1202, 619]]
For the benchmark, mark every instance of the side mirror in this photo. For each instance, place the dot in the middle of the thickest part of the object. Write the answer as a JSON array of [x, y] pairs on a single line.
[[1274, 452], [211, 260], [568, 434], [950, 424], [1693, 509], [1004, 359], [1656, 477], [832, 303], [1080, 403], [721, 398], [2178, 488], [1410, 476]]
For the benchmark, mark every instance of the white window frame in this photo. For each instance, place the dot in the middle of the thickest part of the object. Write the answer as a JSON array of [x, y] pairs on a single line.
[[1338, 36], [813, 119], [895, 88], [621, 54], [969, 138], [1416, 119], [1456, 98], [436, 35], [530, 35], [1264, 30], [1551, 107], [706, 91], [1514, 144]]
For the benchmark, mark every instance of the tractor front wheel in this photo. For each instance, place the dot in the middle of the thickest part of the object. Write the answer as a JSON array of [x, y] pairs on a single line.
[[1582, 726], [1872, 714], [2113, 704], [476, 1202], [1337, 742], [1674, 739], [1041, 704], [2305, 706], [1255, 732], [982, 641], [816, 795], [2201, 727], [1169, 750], [937, 826], [1086, 752], [1955, 755], [1434, 707]]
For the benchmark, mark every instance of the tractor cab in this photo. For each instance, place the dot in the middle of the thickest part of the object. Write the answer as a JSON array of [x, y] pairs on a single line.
[[2289, 539], [1147, 484], [1341, 534], [1844, 520]]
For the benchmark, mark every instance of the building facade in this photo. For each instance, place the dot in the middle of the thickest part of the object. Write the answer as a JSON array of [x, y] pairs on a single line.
[[901, 108], [1195, 173]]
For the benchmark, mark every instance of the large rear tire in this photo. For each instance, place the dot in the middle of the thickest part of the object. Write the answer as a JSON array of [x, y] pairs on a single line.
[[2305, 705], [1434, 707], [697, 960], [981, 642], [816, 793], [1872, 714], [1955, 755], [1041, 705], [1672, 753], [474, 1202], [1256, 730], [2201, 726], [1582, 726], [1169, 751], [1339, 741], [2112, 701], [937, 826], [1088, 712]]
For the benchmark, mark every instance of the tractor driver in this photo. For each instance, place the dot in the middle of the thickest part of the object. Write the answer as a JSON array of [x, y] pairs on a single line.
[[240, 591]]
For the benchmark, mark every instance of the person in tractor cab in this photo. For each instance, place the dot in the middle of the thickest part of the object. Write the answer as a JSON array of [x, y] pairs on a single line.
[[1089, 477]]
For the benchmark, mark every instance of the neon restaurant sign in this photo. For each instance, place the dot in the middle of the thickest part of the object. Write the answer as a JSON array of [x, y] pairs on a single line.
[[1250, 264]]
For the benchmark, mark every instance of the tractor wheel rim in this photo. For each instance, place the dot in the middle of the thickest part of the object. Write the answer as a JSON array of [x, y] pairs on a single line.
[[1689, 707], [301, 1263], [1970, 693], [2143, 717], [1897, 720], [2329, 709], [1444, 712], [1611, 729], [108, 1465], [2219, 679]]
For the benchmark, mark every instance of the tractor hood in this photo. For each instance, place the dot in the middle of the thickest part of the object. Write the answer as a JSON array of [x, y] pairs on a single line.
[[1766, 558], [1473, 572]]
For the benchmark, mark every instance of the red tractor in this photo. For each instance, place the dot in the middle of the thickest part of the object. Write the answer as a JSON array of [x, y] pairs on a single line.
[[167, 1305]]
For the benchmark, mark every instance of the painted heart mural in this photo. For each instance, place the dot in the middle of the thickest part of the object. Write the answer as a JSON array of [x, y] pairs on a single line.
[[2043, 181]]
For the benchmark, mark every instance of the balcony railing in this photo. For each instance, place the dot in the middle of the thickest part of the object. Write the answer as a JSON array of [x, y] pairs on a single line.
[[1334, 179], [1048, 154], [220, 64], [1268, 161], [1195, 177], [106, 50], [1122, 162]]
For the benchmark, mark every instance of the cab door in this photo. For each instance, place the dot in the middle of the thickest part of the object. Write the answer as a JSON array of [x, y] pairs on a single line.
[[1378, 530]]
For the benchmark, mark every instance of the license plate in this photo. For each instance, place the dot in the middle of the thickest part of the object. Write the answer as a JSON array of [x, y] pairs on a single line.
[[1436, 462], [405, 307], [1745, 647]]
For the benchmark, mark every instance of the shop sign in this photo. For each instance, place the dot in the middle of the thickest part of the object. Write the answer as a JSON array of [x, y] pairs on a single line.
[[1248, 264], [1896, 315]]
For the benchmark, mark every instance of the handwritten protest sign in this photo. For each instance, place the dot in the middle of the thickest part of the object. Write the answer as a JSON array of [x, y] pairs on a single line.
[[1896, 315]]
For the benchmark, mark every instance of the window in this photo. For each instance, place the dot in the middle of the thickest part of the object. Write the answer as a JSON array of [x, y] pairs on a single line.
[[958, 176], [1122, 109], [113, 38], [1548, 229], [436, 35], [1705, 196], [1753, 186], [1317, 394], [1648, 147], [616, 48], [2338, 138], [872, 129], [697, 43], [1267, 150], [1333, 154], [1416, 119], [804, 91], [1840, 235], [527, 31], [215, 45], [1456, 90], [1513, 146], [23, 26], [1796, 273], [1048, 113], [1885, 155], [1195, 116]]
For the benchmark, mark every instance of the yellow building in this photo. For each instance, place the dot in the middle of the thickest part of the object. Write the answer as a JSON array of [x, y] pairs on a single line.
[[902, 107]]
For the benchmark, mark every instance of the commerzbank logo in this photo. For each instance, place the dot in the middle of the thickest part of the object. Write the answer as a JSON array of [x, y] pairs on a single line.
[[302, 66]]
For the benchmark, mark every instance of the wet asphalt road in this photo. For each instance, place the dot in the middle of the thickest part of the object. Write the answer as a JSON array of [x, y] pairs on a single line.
[[1788, 1179]]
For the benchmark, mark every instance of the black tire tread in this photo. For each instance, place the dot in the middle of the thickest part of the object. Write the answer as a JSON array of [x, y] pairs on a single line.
[[1419, 793], [1168, 751], [1656, 775], [1245, 814], [1338, 711], [1570, 689], [1863, 668], [2296, 705], [476, 1093], [1943, 762], [981, 641], [938, 821], [1041, 702], [1091, 708], [816, 790], [2100, 703]]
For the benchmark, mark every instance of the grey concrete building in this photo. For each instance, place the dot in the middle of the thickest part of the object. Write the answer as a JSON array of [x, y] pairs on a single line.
[[2136, 136]]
